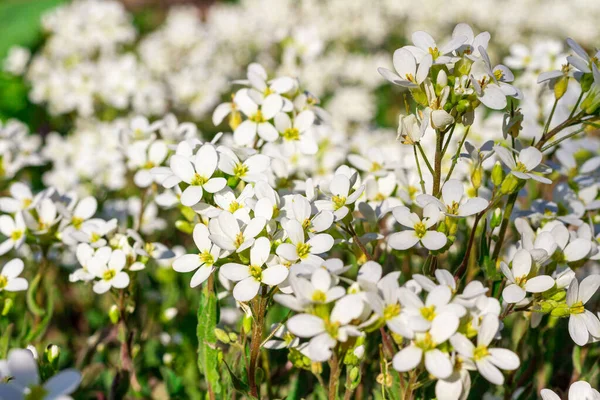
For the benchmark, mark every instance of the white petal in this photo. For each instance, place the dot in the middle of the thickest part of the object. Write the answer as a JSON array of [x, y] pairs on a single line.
[[201, 275], [443, 326], [206, 161], [539, 284], [191, 195], [340, 185], [274, 275], [13, 268], [305, 325], [346, 309], [434, 240], [489, 371], [588, 287], [462, 345], [186, 263], [271, 106], [548, 394], [246, 289], [504, 359], [530, 157], [487, 330], [23, 367], [408, 358], [235, 272], [578, 329], [513, 293], [65, 382], [320, 243], [438, 364], [121, 280], [182, 167], [403, 240]]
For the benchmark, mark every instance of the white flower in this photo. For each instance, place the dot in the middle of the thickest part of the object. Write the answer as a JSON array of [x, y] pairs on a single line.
[[411, 129], [9, 277], [296, 131], [284, 339], [471, 46], [84, 254], [258, 118], [46, 216], [232, 234], [408, 73], [385, 302], [419, 232], [144, 158], [204, 261], [250, 277], [582, 61], [108, 267], [298, 249], [14, 230], [341, 196], [22, 199], [524, 164], [487, 360], [582, 323], [198, 175], [452, 203], [326, 333], [300, 209], [25, 383], [522, 280], [94, 231], [579, 390], [319, 289], [253, 168], [424, 45], [424, 345]]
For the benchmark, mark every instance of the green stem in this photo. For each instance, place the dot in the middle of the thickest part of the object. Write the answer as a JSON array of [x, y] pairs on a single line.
[[457, 154], [510, 203], [562, 139], [421, 181], [334, 376], [437, 176], [257, 332], [425, 158]]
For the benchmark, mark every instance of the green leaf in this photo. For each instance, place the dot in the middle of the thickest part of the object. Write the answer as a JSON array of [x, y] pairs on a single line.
[[174, 383], [5, 341], [39, 329], [34, 308], [207, 339], [238, 384]]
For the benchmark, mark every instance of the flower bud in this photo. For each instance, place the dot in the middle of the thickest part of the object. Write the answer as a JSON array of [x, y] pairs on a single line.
[[442, 79], [8, 305], [113, 314], [497, 174], [52, 353], [247, 323], [560, 87], [476, 177], [509, 184], [222, 336], [561, 311], [592, 101], [233, 337], [463, 106], [496, 219]]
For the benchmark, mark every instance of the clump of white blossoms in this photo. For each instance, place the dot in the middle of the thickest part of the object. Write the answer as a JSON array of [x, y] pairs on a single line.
[[279, 246]]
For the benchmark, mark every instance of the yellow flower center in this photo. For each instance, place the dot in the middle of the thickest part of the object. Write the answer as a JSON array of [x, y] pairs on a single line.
[[577, 308], [480, 352], [256, 272], [426, 343], [420, 229], [291, 134], [428, 313], [435, 53], [95, 237], [109, 274], [16, 235], [319, 296], [26, 202], [239, 240], [240, 170], [332, 328], [198, 180], [375, 167], [521, 167], [390, 311], [3, 281], [257, 117], [234, 206], [338, 202], [76, 221], [206, 258], [303, 250]]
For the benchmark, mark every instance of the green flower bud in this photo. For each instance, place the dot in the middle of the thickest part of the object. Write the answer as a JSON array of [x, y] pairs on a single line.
[[509, 185], [561, 311], [51, 354], [247, 323], [592, 101], [496, 219], [233, 337], [497, 174], [113, 314], [8, 305], [463, 106], [586, 82], [222, 336], [476, 177]]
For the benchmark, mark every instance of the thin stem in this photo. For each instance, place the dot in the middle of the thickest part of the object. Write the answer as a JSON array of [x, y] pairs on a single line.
[[457, 154], [510, 203], [549, 120], [421, 181], [437, 177], [566, 123], [448, 140], [562, 139], [576, 104], [349, 391], [334, 376], [463, 266], [356, 239], [425, 158], [257, 331]]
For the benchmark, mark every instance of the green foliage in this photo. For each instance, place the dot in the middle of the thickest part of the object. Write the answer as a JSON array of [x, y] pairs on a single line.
[[207, 339]]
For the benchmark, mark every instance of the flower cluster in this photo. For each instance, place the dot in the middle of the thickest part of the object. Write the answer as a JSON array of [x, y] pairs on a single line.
[[282, 236]]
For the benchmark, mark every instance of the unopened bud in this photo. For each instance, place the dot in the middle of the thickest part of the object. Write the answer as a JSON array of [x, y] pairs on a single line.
[[247, 323], [496, 219], [222, 336], [52, 353], [8, 305], [113, 314], [442, 79], [560, 87], [497, 174], [561, 310], [592, 101], [509, 184], [463, 106], [476, 177]]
